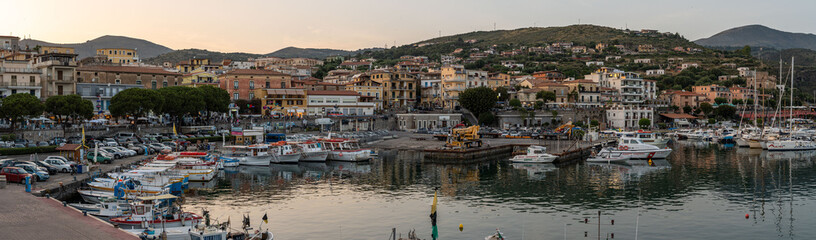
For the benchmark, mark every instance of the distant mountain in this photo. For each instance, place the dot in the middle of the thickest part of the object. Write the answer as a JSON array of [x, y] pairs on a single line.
[[316, 53], [761, 36], [187, 54], [146, 49]]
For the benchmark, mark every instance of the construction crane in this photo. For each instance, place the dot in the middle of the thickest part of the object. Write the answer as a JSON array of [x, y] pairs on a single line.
[[464, 138], [566, 128]]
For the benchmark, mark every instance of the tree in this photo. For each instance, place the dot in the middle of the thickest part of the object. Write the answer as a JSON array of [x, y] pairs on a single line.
[[539, 104], [136, 102], [181, 101], [515, 103], [478, 100], [745, 51], [545, 96], [749, 101], [502, 94], [720, 100], [687, 109], [69, 108], [579, 124], [216, 99], [19, 105], [594, 123], [487, 118], [644, 123], [712, 121], [706, 108], [674, 108], [736, 101], [725, 112]]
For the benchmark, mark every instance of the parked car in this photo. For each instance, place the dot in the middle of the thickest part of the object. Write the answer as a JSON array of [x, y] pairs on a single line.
[[60, 165], [135, 148], [159, 147], [43, 144], [128, 152], [110, 142], [50, 169], [63, 159], [39, 174], [100, 158], [57, 141], [14, 174], [117, 154]]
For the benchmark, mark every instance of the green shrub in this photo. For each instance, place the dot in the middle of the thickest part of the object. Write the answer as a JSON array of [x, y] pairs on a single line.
[[27, 150]]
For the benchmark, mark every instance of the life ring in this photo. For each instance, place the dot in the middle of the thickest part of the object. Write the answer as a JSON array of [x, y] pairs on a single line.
[[623, 148], [620, 147]]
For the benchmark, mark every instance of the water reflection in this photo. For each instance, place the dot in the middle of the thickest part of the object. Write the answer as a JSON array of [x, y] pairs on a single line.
[[703, 189]]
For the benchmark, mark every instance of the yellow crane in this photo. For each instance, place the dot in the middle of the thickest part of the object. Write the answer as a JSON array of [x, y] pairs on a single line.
[[567, 126], [463, 138]]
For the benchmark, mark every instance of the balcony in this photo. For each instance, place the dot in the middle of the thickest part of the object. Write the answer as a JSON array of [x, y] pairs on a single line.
[[631, 93], [64, 79], [20, 70], [20, 85], [56, 62]]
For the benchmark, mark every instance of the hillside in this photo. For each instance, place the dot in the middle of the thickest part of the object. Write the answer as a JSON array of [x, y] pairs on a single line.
[[145, 48], [578, 34], [187, 54], [316, 53], [501, 40], [758, 35]]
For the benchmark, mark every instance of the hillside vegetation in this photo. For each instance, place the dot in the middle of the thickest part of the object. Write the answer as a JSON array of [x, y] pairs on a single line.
[[187, 54], [760, 36], [146, 49]]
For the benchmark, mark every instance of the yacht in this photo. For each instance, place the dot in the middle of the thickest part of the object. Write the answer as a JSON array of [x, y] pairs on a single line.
[[634, 148], [535, 154]]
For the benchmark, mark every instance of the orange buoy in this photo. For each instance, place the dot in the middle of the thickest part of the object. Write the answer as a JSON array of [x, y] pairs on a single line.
[[746, 216]]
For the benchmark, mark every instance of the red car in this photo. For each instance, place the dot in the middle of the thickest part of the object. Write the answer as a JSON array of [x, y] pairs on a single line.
[[14, 174]]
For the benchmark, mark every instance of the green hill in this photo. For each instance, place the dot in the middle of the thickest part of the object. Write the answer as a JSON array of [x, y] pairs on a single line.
[[187, 54], [146, 49], [762, 36]]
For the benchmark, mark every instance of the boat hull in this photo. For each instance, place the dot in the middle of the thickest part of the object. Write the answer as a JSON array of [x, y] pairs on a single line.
[[125, 222], [350, 155], [533, 159], [642, 154], [789, 145], [315, 156], [255, 160], [287, 158]]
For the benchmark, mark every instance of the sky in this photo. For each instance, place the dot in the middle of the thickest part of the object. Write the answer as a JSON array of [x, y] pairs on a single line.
[[263, 26]]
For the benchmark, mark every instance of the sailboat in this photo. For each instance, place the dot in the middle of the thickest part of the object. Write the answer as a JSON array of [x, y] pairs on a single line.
[[790, 143]]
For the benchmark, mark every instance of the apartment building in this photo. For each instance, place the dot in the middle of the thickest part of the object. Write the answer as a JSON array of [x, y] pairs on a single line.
[[57, 70], [346, 103], [119, 55], [19, 77], [241, 83], [147, 77]]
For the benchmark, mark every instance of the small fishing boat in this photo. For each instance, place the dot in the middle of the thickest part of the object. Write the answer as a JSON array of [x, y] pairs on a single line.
[[106, 208], [346, 150], [313, 152], [284, 153], [535, 154], [253, 155]]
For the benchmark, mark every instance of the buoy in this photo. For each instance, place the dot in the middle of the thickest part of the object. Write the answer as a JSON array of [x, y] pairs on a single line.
[[461, 227], [746, 216]]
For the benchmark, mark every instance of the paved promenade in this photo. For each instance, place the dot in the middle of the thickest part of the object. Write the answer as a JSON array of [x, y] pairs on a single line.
[[24, 216]]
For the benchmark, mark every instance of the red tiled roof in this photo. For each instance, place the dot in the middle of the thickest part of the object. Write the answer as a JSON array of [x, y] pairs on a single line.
[[255, 72], [127, 69], [354, 63], [334, 93], [677, 116]]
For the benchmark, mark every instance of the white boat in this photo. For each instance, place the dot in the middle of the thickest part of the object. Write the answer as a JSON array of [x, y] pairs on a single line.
[[95, 196], [496, 236], [201, 232], [608, 157], [147, 212], [633, 148], [647, 137], [535, 154], [254, 155], [790, 145], [172, 233], [313, 152], [346, 150], [283, 153]]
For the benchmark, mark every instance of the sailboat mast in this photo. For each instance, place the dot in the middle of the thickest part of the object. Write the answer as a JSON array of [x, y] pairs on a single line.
[[755, 101], [790, 118]]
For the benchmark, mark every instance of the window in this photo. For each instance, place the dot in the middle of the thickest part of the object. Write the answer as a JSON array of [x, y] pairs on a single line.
[[235, 96], [153, 84], [118, 81], [139, 82], [267, 84], [251, 86], [283, 84], [164, 84], [235, 84], [251, 95]]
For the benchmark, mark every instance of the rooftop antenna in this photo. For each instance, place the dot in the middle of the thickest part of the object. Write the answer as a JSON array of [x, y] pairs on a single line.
[[494, 26]]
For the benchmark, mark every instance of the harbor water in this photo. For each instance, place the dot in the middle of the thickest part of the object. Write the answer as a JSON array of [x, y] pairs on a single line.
[[700, 192]]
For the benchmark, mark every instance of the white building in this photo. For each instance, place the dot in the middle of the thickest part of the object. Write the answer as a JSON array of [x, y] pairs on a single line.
[[628, 116], [322, 103], [241, 65], [655, 72], [631, 88], [413, 121], [596, 63], [684, 66], [643, 60]]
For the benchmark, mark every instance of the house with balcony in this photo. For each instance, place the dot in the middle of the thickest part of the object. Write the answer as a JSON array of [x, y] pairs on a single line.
[[100, 94], [712, 92], [241, 83], [289, 102], [57, 73], [627, 117], [345, 103], [147, 77], [19, 77]]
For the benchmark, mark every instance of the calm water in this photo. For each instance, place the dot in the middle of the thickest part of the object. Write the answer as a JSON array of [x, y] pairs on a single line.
[[700, 192]]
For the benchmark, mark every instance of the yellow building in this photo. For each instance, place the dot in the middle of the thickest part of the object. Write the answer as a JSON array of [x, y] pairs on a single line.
[[366, 87], [197, 63], [55, 49], [290, 102], [399, 88], [454, 82], [119, 55], [199, 76]]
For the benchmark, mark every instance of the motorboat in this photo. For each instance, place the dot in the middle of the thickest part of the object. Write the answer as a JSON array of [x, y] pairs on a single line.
[[253, 155], [496, 236], [790, 145], [634, 148], [608, 157], [313, 152], [283, 153], [106, 208], [341, 149], [535, 154], [156, 211]]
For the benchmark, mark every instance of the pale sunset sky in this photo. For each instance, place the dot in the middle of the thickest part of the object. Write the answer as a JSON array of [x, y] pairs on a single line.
[[263, 26]]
